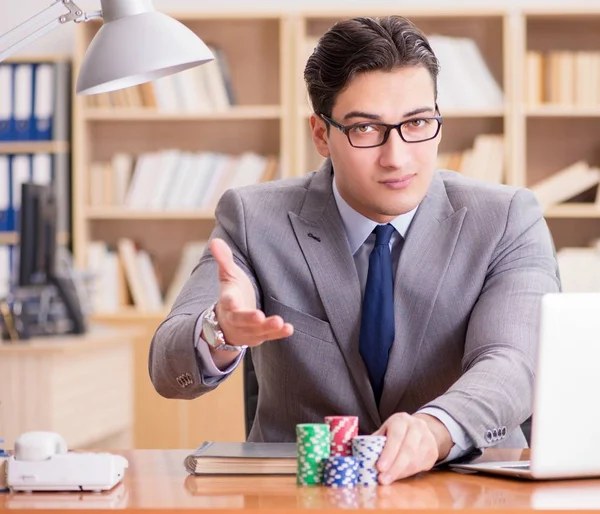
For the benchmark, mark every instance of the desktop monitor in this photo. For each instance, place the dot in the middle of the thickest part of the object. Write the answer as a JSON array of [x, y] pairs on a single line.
[[37, 250], [37, 235]]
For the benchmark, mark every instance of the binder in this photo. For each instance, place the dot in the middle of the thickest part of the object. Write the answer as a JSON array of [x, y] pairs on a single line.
[[20, 172], [5, 272], [6, 102], [5, 215], [23, 101], [41, 169], [43, 101]]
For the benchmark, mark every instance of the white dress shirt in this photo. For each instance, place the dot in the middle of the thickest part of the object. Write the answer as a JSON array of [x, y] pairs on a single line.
[[361, 239]]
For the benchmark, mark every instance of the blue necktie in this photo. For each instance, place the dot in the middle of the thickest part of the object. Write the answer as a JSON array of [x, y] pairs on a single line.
[[377, 324]]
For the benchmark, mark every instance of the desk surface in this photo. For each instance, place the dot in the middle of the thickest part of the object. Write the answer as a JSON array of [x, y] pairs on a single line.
[[156, 480]]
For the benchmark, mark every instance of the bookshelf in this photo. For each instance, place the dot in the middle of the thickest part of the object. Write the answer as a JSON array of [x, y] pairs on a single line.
[[257, 121], [271, 114], [558, 107]]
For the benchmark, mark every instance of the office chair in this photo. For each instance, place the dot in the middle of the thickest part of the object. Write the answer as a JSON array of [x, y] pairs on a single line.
[[250, 392]]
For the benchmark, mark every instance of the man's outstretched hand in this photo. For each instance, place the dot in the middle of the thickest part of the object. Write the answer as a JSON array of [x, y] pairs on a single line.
[[241, 322]]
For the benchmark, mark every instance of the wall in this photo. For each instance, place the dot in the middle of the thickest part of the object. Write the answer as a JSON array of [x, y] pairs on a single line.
[[14, 12]]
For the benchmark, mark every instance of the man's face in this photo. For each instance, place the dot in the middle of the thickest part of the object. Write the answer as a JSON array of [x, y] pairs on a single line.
[[382, 182]]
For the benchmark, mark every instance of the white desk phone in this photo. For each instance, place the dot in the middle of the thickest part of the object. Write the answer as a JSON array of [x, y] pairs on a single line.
[[41, 462]]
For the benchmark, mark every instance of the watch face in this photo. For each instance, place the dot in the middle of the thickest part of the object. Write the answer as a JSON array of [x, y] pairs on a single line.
[[209, 333]]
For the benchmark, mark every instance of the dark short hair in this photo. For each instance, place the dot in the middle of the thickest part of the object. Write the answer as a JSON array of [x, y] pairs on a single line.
[[360, 45]]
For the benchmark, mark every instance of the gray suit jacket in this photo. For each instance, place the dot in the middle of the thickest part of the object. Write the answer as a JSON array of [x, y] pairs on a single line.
[[476, 261]]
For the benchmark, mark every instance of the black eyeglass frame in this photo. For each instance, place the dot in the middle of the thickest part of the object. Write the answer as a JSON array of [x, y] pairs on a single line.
[[346, 128]]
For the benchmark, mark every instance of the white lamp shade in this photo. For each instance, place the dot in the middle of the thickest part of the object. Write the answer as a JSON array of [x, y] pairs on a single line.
[[135, 49]]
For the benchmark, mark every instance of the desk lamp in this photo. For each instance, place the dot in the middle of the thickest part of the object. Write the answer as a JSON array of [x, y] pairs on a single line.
[[135, 44]]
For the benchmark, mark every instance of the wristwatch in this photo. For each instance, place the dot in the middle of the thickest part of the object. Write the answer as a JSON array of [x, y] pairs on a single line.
[[213, 335]]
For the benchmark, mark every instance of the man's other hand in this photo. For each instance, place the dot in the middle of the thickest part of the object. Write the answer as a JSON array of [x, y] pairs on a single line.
[[414, 444]]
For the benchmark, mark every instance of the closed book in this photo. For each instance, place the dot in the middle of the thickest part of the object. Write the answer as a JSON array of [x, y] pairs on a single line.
[[213, 458]]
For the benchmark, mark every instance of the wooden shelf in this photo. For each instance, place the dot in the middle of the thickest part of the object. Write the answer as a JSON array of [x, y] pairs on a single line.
[[12, 238], [246, 112], [563, 111], [126, 314], [462, 113], [14, 147], [573, 210], [113, 213], [49, 58]]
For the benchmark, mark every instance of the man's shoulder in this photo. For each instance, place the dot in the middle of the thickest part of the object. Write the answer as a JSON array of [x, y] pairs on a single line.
[[468, 192], [282, 195], [279, 187]]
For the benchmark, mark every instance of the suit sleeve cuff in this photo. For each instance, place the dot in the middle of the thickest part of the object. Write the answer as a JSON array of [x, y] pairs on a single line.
[[463, 444], [209, 373]]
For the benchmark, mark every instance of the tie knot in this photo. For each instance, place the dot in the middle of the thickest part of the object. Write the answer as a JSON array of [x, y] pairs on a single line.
[[383, 234]]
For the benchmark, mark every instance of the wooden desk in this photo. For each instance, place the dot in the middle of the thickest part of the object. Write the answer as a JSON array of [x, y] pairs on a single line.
[[156, 481], [78, 386]]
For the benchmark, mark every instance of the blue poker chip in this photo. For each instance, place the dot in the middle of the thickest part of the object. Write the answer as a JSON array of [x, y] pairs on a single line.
[[340, 472]]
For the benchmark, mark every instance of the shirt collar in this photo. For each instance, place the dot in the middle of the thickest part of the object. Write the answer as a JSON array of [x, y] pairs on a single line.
[[358, 227]]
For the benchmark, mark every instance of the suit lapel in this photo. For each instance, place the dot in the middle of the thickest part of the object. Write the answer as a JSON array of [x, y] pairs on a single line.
[[424, 260], [322, 238]]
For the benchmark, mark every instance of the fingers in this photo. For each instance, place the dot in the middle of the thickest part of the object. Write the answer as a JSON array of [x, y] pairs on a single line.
[[254, 328], [395, 429], [224, 257]]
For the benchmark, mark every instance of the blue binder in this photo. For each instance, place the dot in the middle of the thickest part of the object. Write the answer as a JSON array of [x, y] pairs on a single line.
[[6, 102], [5, 193], [43, 101], [23, 101]]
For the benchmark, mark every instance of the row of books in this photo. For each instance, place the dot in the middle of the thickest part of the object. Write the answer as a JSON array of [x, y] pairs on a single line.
[[568, 183], [485, 160], [173, 179], [125, 275], [202, 88], [562, 78], [465, 81], [34, 101], [38, 168]]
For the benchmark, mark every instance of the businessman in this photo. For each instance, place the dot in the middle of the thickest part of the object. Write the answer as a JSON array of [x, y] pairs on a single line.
[[375, 286]]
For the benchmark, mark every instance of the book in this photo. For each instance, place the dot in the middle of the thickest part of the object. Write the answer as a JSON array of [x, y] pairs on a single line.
[[213, 458]]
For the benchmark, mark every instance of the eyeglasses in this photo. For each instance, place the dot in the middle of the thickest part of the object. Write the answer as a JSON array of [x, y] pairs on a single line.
[[370, 134]]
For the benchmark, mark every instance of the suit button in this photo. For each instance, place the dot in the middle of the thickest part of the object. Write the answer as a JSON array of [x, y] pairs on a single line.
[[495, 434], [503, 431], [488, 436]]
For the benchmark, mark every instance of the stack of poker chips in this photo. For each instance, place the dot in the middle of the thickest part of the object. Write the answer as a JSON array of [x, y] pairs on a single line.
[[342, 429], [366, 450], [313, 442]]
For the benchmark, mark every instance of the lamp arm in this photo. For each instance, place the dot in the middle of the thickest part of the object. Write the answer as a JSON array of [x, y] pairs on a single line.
[[59, 13]]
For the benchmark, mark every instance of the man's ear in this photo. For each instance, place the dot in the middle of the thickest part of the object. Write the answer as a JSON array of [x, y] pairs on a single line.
[[318, 130]]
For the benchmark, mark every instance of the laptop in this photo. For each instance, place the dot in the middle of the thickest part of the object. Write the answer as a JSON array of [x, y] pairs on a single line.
[[565, 431]]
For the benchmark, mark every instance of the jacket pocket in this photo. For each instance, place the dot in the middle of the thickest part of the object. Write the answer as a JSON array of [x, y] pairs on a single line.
[[302, 322]]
